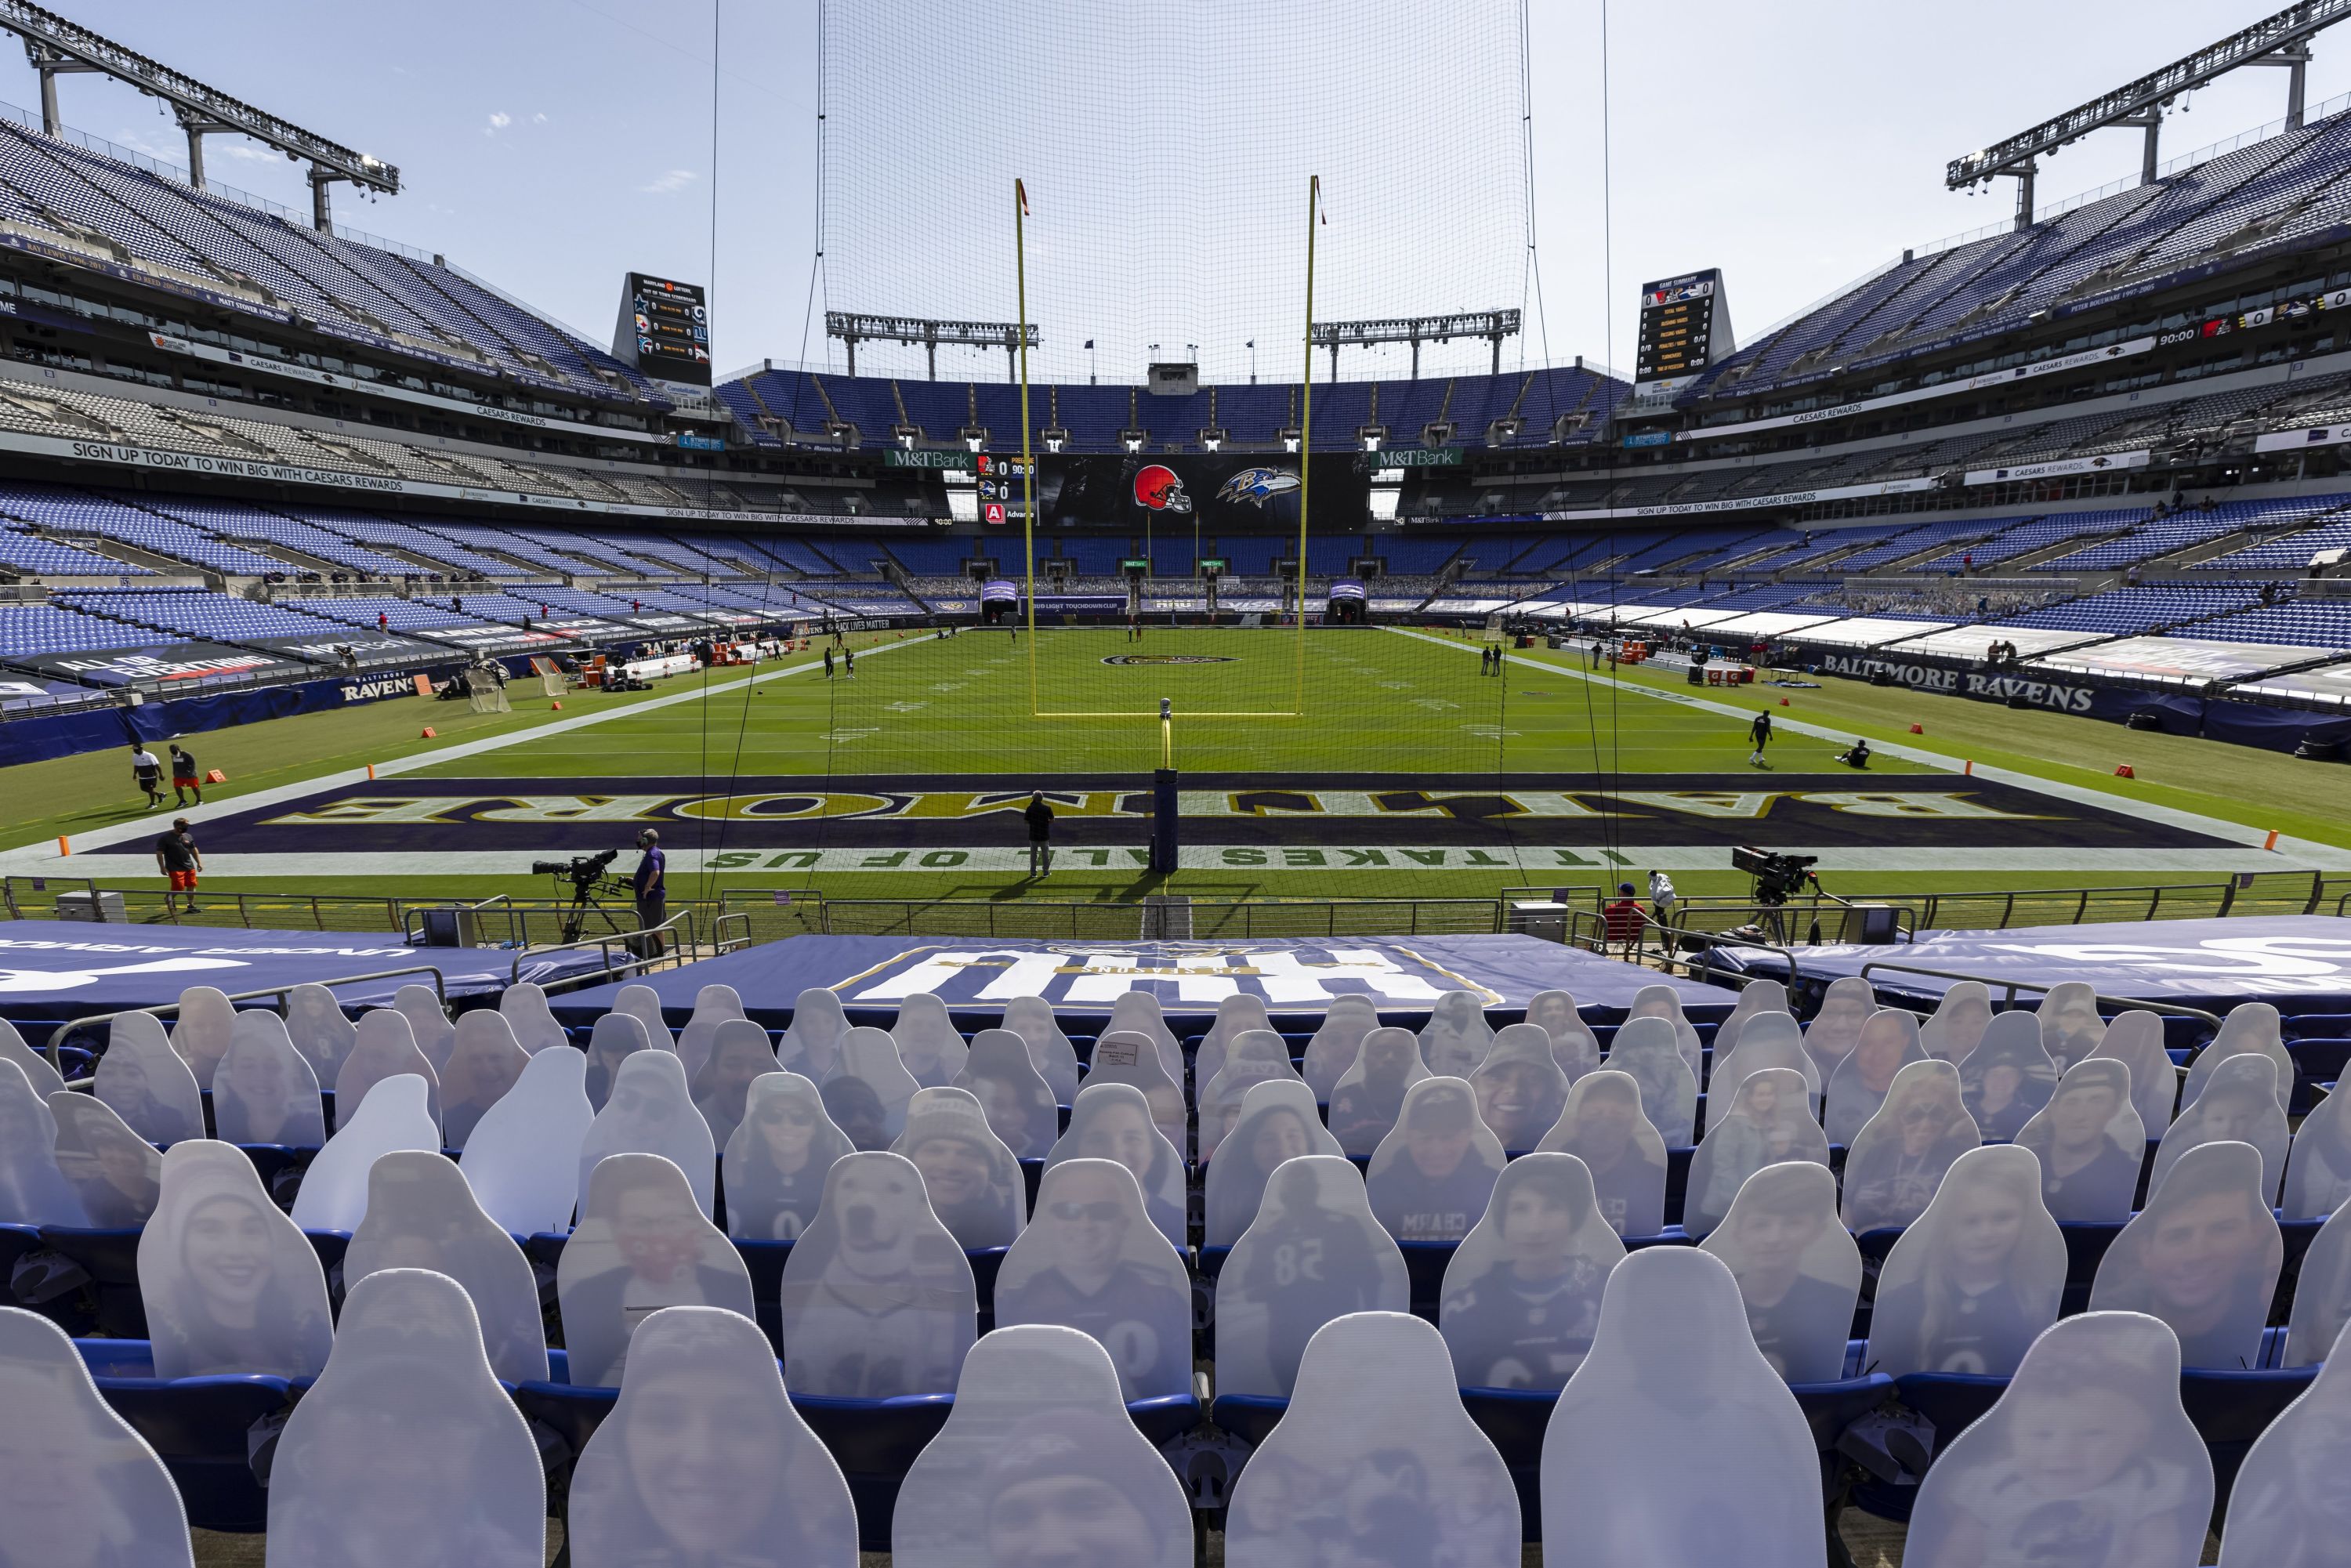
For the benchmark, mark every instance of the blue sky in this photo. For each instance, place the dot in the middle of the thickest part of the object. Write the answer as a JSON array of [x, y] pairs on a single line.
[[551, 145]]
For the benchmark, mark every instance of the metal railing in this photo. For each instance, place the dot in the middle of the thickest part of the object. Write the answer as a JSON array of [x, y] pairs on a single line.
[[59, 1035], [1108, 920], [668, 955], [1689, 948], [2009, 985]]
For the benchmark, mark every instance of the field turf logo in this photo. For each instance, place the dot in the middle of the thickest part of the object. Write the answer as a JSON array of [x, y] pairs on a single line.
[[1168, 659]]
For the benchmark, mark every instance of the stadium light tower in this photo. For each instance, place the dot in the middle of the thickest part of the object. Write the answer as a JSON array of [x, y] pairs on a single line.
[[1492, 325], [2283, 39], [853, 328], [55, 47]]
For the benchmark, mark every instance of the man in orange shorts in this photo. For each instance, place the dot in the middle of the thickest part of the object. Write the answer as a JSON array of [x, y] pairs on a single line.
[[177, 857]]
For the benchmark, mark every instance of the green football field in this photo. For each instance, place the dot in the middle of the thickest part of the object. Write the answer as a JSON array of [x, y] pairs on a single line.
[[1355, 762]]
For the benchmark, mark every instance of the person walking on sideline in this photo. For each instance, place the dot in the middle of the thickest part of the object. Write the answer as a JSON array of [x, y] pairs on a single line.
[[1039, 818], [147, 771], [827, 663], [186, 779], [1760, 732], [849, 662], [177, 857]]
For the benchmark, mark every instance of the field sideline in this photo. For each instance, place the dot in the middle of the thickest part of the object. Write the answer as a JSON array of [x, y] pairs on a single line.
[[1412, 773]]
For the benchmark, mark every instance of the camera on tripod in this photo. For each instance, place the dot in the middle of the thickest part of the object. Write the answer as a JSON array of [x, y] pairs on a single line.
[[582, 871], [1778, 877]]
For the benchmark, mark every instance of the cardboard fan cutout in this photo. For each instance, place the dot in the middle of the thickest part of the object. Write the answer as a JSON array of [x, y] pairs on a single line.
[[776, 1159], [1521, 1295]]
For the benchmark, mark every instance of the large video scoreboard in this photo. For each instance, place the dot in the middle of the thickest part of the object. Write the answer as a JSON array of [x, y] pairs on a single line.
[[664, 330], [1684, 328]]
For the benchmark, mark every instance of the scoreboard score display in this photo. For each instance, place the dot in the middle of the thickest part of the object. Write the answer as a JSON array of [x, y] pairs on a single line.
[[1684, 328], [664, 330]]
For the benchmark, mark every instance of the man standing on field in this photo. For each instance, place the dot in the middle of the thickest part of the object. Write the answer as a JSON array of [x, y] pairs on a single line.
[[1040, 817], [177, 857]]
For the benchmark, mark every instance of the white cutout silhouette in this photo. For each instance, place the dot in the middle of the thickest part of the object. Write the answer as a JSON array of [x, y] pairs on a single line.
[[1138, 1012], [643, 1004], [1664, 1002], [2286, 1508], [1673, 1375], [2239, 1102], [407, 1451], [1313, 1253], [2250, 1028], [1240, 1013], [230, 1284], [524, 1007], [1521, 1088], [485, 1063], [333, 1196], [1798, 1269], [1521, 1296], [1959, 1021], [2204, 1256], [1129, 1058], [1255, 1056], [2087, 1458], [1836, 1029], [650, 1112], [1573, 1044], [1765, 1121], [118, 1174], [38, 1070], [522, 1159], [642, 1244], [1369, 1094], [776, 1161], [1430, 1180], [2089, 1141], [263, 1092], [1900, 1157], [1767, 1040], [1457, 1037], [1888, 1043], [422, 1215], [143, 1079], [867, 1094], [2071, 1027], [1039, 1464], [616, 1036], [33, 1189], [1755, 997], [1091, 1260], [201, 1032], [712, 1005], [735, 1055], [1112, 1121], [427, 1021], [1602, 1124], [1336, 1041], [928, 1042], [971, 1179], [1645, 1050], [2318, 1161], [316, 1023], [2008, 1077], [2135, 1039], [1018, 1102], [703, 1460], [386, 1049], [812, 1044], [2322, 1294], [878, 1300], [1973, 1281], [1375, 1459], [79, 1486], [1278, 1122]]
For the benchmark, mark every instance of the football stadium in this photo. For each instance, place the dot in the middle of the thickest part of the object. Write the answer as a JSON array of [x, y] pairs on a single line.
[[1187, 638]]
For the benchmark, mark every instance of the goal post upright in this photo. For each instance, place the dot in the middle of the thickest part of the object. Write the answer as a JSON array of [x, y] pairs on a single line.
[[1306, 433], [1027, 459]]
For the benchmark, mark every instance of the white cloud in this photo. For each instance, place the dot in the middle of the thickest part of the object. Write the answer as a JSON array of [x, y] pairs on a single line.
[[668, 182], [500, 121], [538, 119]]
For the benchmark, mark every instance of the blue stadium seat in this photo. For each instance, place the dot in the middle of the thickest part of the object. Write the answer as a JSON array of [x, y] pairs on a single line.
[[197, 1426]]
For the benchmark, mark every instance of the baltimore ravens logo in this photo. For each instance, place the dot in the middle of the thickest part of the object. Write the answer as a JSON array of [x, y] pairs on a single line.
[[1168, 659], [1258, 485]]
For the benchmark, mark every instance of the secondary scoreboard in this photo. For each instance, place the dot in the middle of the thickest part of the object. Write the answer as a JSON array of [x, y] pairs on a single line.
[[1000, 488], [1684, 328], [664, 330]]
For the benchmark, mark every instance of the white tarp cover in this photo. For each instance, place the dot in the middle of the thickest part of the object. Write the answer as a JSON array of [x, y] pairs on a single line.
[[869, 1089], [201, 1030], [1252, 1057], [407, 1451], [2239, 1104], [712, 1005], [1112, 1121], [1375, 1461], [2286, 1509], [1798, 1269], [928, 1042], [2204, 1256], [1888, 1043], [1092, 1260], [1898, 1159], [78, 1483], [1040, 1464], [1973, 1281], [2087, 1458], [2008, 1077], [143, 1079], [2071, 1027], [422, 1215], [878, 1300], [1278, 1122], [776, 1159], [1313, 1253], [523, 1160], [642, 1244], [1672, 1379], [263, 1092], [484, 1063], [1958, 1021], [1767, 1119], [703, 1460], [971, 1179], [1602, 1124], [1457, 1037], [1336, 1042], [524, 1007], [1018, 1102], [118, 1174], [1521, 1088], [323, 1034], [2090, 1143], [1645, 1049], [1369, 1096], [334, 1191], [386, 1048], [1521, 1295], [650, 1112], [1430, 1180], [231, 1284], [33, 1187], [2135, 1039]]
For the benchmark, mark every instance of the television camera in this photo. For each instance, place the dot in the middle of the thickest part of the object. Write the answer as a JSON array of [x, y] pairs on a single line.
[[587, 878]]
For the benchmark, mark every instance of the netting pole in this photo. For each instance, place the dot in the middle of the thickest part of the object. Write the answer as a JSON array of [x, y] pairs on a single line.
[[1306, 433], [1028, 462]]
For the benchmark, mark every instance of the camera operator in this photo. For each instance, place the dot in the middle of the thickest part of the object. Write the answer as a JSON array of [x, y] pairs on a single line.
[[652, 890]]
